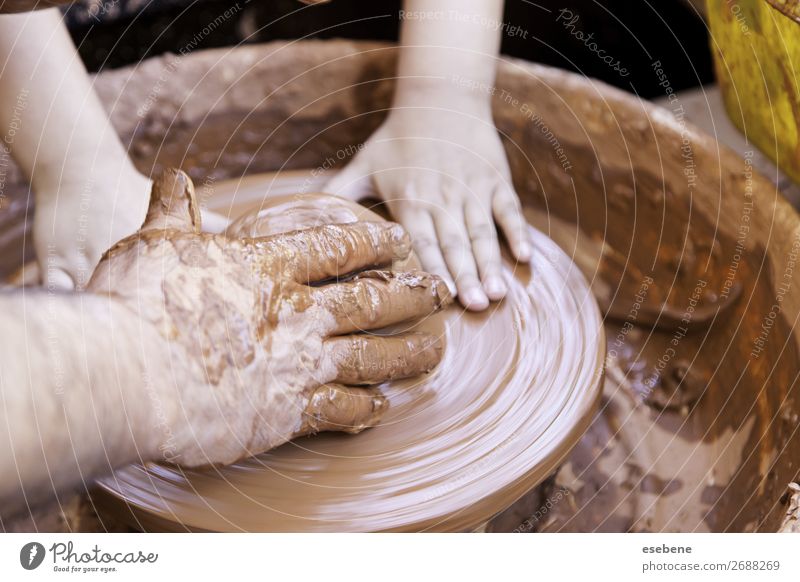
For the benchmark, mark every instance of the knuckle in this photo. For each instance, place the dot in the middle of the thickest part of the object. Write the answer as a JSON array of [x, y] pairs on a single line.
[[424, 242], [468, 280], [369, 299], [508, 205], [483, 232], [453, 248]]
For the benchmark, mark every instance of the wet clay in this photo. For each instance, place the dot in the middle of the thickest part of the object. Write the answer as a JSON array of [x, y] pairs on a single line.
[[266, 320], [698, 415], [515, 389], [705, 438]]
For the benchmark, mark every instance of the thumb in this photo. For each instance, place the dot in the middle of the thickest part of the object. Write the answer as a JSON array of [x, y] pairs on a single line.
[[173, 203], [57, 278], [61, 264]]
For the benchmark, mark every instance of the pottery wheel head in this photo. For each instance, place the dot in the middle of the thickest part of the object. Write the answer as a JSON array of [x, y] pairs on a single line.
[[515, 391]]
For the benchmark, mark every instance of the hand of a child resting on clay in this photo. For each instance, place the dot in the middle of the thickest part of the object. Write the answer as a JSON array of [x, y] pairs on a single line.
[[437, 160], [88, 193], [261, 339], [77, 220]]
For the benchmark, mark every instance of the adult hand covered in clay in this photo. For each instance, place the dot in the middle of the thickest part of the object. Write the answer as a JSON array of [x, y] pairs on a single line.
[[262, 337]]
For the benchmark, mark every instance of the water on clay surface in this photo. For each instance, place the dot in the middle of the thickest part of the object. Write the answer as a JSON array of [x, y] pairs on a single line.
[[455, 447], [697, 427]]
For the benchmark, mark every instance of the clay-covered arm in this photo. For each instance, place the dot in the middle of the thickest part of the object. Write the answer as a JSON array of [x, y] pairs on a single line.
[[88, 193], [200, 349], [76, 394]]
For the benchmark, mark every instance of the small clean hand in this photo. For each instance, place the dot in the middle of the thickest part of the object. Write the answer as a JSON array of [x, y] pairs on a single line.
[[444, 175], [76, 221]]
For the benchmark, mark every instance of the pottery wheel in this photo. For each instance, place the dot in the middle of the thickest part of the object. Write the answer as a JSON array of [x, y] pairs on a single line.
[[514, 393]]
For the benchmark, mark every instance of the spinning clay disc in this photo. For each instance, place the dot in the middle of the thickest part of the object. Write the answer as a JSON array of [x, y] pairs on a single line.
[[515, 391]]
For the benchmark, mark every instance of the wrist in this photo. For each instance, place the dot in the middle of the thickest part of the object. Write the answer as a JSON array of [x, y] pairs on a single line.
[[105, 173], [148, 394], [450, 92]]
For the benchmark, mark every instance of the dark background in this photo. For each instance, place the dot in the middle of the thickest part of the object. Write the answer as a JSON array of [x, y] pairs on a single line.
[[112, 33]]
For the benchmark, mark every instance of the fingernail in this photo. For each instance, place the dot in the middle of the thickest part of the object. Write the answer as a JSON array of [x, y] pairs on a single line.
[[59, 279], [474, 299], [524, 252], [495, 288], [443, 295], [451, 287]]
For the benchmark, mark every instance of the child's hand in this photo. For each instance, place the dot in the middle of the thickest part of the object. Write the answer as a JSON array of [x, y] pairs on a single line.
[[444, 175], [76, 221], [88, 193]]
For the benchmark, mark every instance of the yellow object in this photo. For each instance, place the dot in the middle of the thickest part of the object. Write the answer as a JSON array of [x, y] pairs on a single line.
[[756, 48]]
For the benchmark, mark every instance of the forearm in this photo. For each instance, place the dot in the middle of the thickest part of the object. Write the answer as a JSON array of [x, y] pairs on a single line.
[[75, 393], [9, 6], [53, 121], [441, 39]]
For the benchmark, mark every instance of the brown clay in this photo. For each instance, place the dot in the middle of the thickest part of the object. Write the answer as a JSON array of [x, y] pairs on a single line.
[[271, 334], [646, 196], [497, 416]]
